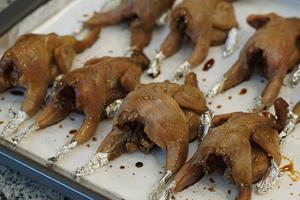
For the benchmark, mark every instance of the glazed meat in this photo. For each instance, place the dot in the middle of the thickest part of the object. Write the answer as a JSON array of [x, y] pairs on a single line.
[[142, 14], [35, 60], [238, 143], [165, 114], [89, 89], [274, 48], [205, 22]]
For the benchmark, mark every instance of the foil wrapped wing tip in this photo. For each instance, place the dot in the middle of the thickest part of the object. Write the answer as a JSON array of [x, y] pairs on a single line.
[[64, 150], [182, 71], [154, 69], [232, 41], [14, 123]]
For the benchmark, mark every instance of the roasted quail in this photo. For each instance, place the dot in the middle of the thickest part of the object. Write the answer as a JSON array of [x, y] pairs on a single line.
[[165, 114], [142, 14], [205, 22], [240, 144], [89, 89], [274, 48]]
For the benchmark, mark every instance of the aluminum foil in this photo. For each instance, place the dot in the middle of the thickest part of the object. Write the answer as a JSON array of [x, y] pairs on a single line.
[[111, 110], [217, 89], [14, 123], [268, 182], [206, 119], [64, 150], [51, 92], [166, 194], [161, 185], [129, 51], [289, 127], [232, 41], [17, 139], [163, 19], [259, 105], [296, 77], [182, 71], [97, 161], [154, 69]]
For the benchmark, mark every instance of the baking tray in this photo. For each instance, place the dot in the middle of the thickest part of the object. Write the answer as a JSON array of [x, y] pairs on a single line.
[[130, 182]]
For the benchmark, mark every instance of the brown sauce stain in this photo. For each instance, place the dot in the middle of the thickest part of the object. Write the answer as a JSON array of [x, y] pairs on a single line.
[[67, 136], [139, 164], [204, 79], [85, 15], [110, 166], [219, 106], [262, 81], [266, 113], [2, 98], [60, 126], [88, 145], [94, 139], [72, 119], [72, 131], [133, 174], [212, 180], [1, 122], [243, 91], [209, 103], [122, 167], [17, 92], [230, 97], [211, 189], [229, 191], [209, 64], [293, 174]]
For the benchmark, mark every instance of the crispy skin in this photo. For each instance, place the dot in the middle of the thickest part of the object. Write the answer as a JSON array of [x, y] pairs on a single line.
[[89, 89], [274, 48], [205, 22], [142, 15], [242, 141], [35, 60], [161, 112]]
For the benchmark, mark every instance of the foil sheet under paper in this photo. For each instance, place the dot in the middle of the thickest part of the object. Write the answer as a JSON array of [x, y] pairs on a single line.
[[155, 66], [296, 76], [267, 183], [217, 89], [231, 42], [289, 127], [111, 110], [182, 71], [64, 150], [14, 123], [98, 160], [206, 119]]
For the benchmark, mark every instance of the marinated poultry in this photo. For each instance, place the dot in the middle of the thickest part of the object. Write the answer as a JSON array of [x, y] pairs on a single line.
[[205, 22], [142, 15], [165, 114], [33, 62], [274, 48], [89, 89], [240, 144]]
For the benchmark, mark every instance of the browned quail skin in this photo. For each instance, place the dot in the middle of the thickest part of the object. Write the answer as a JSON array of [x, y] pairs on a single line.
[[240, 143], [142, 16], [35, 60], [167, 114], [89, 89], [274, 48]]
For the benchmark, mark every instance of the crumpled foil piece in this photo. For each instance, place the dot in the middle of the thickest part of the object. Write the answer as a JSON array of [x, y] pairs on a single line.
[[206, 120], [51, 93], [17, 139], [64, 150], [14, 123], [111, 110], [154, 69], [217, 89], [166, 193], [259, 105], [289, 127], [97, 161], [163, 19], [268, 182], [296, 77], [182, 71], [161, 185], [232, 41]]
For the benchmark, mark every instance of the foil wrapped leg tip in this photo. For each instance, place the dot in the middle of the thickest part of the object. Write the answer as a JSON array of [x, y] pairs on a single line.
[[182, 71], [259, 105], [154, 69], [17, 139], [97, 161], [129, 51], [232, 41], [14, 123], [296, 77], [206, 119], [165, 192], [217, 89], [111, 110], [64, 150]]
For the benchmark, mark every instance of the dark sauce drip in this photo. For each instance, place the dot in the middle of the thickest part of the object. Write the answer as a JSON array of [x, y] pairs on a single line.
[[94, 139], [88, 145], [230, 97], [1, 122], [72, 131], [293, 174], [209, 64], [139, 164], [219, 106], [17, 92], [122, 167], [266, 113], [243, 91]]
